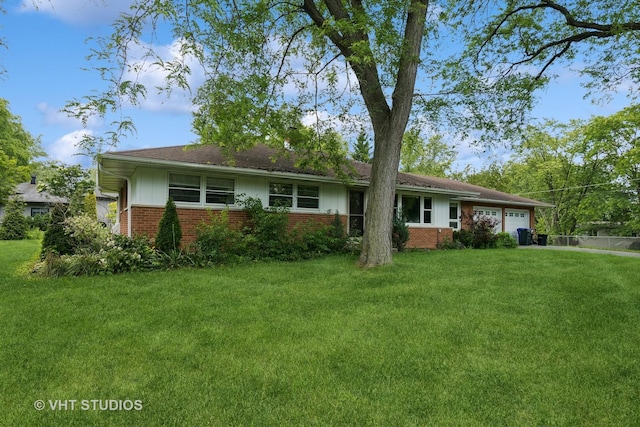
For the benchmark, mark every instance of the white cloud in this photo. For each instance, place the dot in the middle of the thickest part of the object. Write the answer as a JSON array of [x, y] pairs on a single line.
[[85, 12], [65, 149]]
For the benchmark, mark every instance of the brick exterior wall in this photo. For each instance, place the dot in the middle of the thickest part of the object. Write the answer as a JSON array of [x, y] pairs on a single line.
[[428, 238], [145, 220]]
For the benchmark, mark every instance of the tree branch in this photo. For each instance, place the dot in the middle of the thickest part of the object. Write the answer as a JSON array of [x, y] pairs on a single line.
[[365, 70], [595, 30], [410, 58]]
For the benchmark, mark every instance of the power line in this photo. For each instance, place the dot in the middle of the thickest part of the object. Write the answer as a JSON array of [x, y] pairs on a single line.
[[574, 188]]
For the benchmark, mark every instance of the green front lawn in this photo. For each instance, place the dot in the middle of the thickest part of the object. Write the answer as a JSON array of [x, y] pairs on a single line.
[[496, 337]]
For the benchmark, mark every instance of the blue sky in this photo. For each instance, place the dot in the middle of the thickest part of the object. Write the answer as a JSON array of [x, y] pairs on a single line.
[[47, 52]]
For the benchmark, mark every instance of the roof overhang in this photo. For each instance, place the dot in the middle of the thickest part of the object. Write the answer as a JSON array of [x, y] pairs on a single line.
[[503, 202], [114, 170]]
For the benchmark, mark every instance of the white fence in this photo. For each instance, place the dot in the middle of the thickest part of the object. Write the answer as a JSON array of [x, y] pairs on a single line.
[[605, 242]]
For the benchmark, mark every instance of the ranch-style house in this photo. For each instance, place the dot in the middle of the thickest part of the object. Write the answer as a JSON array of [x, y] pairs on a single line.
[[202, 179]]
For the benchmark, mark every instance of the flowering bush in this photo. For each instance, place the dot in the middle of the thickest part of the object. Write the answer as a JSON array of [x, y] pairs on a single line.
[[86, 233], [95, 251]]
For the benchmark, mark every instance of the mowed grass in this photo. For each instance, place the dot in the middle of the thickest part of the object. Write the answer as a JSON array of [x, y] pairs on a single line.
[[487, 338]]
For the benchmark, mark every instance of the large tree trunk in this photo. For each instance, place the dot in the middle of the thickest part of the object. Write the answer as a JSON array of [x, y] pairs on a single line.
[[389, 125], [389, 121], [376, 242]]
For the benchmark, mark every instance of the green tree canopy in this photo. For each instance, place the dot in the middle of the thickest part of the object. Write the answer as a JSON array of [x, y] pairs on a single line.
[[588, 169], [17, 149], [431, 156], [362, 148], [70, 182]]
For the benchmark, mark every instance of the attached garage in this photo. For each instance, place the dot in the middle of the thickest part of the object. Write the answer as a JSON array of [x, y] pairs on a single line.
[[514, 219]]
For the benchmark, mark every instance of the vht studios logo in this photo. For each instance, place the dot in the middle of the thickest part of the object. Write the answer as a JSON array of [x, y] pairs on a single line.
[[88, 405]]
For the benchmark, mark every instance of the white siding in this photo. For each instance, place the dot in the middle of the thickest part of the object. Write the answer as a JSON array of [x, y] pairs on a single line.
[[150, 187]]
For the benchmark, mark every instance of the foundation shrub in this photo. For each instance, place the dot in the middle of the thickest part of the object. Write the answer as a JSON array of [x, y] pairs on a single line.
[[265, 236], [399, 233], [169, 233], [479, 233], [124, 254], [92, 250], [216, 242], [86, 233], [309, 239], [505, 241], [55, 239], [40, 222], [269, 228]]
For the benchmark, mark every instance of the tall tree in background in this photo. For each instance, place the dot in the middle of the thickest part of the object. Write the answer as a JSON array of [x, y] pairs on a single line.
[[362, 148], [432, 157], [588, 169], [70, 182], [17, 149], [616, 140]]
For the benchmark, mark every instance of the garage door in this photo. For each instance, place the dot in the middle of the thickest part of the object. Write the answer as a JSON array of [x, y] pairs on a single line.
[[514, 219]]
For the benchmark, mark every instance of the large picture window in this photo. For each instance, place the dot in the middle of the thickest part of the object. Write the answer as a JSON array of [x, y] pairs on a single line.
[[414, 209], [411, 209], [39, 211], [184, 188], [221, 191]]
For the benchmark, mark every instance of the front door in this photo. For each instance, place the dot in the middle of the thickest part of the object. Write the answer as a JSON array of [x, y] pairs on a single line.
[[356, 212]]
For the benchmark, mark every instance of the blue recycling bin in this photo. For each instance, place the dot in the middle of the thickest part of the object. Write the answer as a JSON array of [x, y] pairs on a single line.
[[524, 237]]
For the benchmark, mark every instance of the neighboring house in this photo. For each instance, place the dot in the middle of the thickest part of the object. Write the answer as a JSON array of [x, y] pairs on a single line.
[[40, 202], [202, 179], [36, 202]]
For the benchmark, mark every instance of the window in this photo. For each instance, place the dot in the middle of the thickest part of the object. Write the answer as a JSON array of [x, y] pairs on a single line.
[[414, 209], [39, 211], [221, 191], [308, 197], [411, 209], [356, 213], [184, 188], [453, 215], [281, 195], [427, 210], [294, 195]]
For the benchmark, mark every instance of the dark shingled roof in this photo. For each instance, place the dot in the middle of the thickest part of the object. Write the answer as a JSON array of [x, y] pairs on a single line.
[[264, 158], [29, 194]]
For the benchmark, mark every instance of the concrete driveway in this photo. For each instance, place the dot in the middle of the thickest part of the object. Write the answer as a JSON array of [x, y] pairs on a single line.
[[577, 249]]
